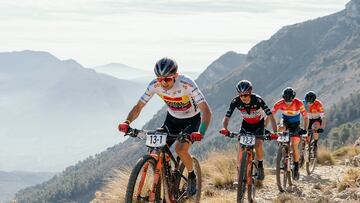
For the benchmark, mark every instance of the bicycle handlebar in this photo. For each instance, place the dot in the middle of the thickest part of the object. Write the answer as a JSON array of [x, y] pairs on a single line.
[[133, 132]]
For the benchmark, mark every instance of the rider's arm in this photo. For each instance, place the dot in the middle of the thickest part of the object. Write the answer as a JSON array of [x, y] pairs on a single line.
[[271, 119], [135, 111], [229, 113], [205, 116], [304, 115], [322, 115], [269, 115], [226, 122]]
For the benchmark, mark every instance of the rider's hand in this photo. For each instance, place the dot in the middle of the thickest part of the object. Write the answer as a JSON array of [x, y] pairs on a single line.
[[124, 127], [320, 130], [224, 132], [302, 132], [273, 136], [196, 136]]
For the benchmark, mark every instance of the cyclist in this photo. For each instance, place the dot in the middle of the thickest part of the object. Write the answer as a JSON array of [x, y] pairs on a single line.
[[291, 108], [185, 102], [316, 114], [252, 108]]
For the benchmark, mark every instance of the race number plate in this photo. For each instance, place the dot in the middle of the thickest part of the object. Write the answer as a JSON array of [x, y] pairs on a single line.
[[156, 140], [247, 140], [283, 138]]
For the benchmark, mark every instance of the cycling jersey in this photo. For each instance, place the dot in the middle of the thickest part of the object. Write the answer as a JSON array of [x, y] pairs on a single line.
[[253, 112], [182, 99], [315, 110], [290, 113]]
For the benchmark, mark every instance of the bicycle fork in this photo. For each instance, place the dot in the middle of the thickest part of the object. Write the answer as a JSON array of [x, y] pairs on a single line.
[[248, 163]]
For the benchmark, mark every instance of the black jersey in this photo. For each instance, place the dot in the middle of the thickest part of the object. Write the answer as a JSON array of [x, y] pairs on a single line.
[[253, 112]]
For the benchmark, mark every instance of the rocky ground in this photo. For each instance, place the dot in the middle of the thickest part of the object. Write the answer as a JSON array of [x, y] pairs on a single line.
[[321, 186], [337, 183]]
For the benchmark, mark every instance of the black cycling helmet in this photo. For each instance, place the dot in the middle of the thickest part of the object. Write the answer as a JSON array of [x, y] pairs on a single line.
[[288, 94], [310, 97], [165, 67], [244, 86]]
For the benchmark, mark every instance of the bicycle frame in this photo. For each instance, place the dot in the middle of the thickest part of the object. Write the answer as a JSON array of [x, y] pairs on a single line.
[[163, 157], [160, 155], [250, 157]]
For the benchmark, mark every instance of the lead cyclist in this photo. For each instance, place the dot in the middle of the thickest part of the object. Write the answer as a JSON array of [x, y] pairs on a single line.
[[187, 108]]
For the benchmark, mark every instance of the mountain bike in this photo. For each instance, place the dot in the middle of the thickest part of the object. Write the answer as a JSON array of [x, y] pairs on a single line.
[[310, 153], [247, 171], [284, 160], [158, 175]]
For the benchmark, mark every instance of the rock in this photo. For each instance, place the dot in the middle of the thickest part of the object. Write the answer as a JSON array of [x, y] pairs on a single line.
[[336, 200], [355, 161], [357, 143], [344, 194], [328, 193], [357, 195], [317, 186]]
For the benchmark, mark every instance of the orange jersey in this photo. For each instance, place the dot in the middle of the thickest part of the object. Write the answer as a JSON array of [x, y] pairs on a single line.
[[315, 110], [290, 113]]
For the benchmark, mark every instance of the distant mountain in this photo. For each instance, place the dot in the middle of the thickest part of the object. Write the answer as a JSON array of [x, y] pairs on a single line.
[[54, 113], [122, 71], [11, 182], [321, 54], [220, 68]]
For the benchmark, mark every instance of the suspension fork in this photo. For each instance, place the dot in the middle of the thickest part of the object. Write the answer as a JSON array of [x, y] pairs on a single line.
[[157, 176], [142, 180], [249, 167]]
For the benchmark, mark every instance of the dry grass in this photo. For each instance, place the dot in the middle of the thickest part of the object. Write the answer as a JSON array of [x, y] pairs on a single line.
[[286, 198], [347, 152], [324, 157], [220, 169], [216, 196], [115, 188], [351, 179]]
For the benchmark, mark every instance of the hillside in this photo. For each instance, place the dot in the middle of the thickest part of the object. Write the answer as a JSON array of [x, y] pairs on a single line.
[[11, 182], [321, 54]]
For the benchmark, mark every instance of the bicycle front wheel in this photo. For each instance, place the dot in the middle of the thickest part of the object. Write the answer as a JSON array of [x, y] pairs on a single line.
[[141, 182], [242, 177], [283, 176]]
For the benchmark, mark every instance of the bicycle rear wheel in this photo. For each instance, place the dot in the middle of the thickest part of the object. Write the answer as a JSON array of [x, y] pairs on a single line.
[[181, 183], [242, 177], [311, 158], [252, 186], [283, 176], [141, 182]]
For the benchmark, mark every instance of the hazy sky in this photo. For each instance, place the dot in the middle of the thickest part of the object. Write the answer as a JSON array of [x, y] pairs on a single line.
[[139, 32]]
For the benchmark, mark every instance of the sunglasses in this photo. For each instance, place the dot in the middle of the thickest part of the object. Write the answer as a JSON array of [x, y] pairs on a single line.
[[166, 79], [244, 95]]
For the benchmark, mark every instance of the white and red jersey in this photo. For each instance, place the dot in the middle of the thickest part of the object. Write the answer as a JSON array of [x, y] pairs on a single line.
[[182, 99], [252, 112]]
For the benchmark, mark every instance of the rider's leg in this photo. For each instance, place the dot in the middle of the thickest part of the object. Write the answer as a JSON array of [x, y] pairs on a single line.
[[294, 144], [182, 149], [259, 156], [316, 126]]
